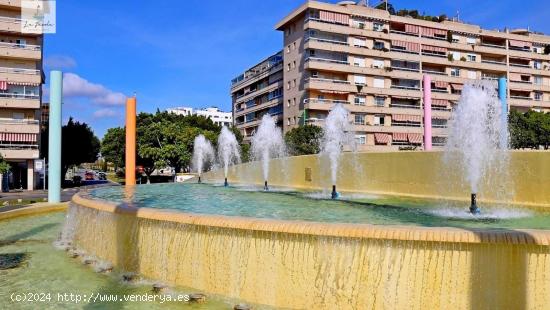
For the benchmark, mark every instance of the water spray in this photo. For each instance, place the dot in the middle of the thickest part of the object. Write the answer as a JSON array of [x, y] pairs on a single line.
[[266, 188], [474, 209], [229, 152], [267, 143]]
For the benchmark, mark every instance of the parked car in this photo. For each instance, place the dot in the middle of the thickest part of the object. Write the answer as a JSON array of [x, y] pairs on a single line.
[[89, 176], [102, 176]]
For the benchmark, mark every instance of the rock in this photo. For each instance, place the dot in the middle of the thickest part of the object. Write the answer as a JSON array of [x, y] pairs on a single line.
[[104, 268], [197, 297], [73, 254], [89, 261], [130, 277], [242, 307], [159, 288]]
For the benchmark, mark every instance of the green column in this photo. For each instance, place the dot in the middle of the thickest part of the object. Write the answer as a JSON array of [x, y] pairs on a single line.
[[54, 138]]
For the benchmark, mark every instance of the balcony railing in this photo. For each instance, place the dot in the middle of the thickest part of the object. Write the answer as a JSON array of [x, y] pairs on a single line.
[[404, 33], [438, 90], [325, 101], [19, 121], [439, 126], [343, 62], [492, 62], [20, 46], [19, 96], [404, 106], [434, 54], [19, 146], [406, 87], [393, 49], [314, 120], [522, 82], [521, 49], [19, 71], [405, 69], [521, 97], [405, 124], [434, 72], [520, 65], [327, 41], [493, 45], [328, 80], [10, 20]]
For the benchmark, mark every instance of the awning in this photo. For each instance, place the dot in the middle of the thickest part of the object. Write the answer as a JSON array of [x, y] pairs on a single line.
[[324, 91], [457, 86], [436, 49], [3, 85], [440, 103], [399, 118], [439, 117], [409, 46], [334, 17], [431, 32], [18, 137], [517, 43], [515, 76], [415, 118], [441, 84], [415, 138], [399, 136], [412, 28], [382, 138]]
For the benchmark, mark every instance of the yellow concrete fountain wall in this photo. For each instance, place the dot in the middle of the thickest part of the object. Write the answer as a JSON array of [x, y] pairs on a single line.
[[306, 265], [417, 174]]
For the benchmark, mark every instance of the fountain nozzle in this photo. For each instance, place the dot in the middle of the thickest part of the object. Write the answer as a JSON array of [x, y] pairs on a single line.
[[200, 181], [225, 183], [474, 209], [266, 188], [334, 194]]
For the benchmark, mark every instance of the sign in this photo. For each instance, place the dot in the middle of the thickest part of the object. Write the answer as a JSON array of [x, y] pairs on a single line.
[[39, 166], [38, 16]]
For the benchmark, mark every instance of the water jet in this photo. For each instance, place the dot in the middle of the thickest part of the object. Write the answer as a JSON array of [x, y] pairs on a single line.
[[229, 152], [266, 188], [334, 194], [267, 143], [203, 154], [225, 183]]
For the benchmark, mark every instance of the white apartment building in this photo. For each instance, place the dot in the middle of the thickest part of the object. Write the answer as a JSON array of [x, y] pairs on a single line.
[[216, 115]]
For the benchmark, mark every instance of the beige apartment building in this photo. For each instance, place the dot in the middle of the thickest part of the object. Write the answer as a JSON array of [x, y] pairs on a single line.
[[257, 91], [373, 62], [20, 80]]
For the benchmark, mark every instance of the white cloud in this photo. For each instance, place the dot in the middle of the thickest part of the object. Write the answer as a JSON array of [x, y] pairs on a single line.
[[76, 86], [59, 62], [102, 113]]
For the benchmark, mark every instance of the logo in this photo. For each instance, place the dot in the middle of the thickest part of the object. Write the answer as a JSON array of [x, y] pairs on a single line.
[[38, 16]]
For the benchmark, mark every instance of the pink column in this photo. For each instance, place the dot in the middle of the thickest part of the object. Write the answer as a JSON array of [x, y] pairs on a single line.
[[427, 113]]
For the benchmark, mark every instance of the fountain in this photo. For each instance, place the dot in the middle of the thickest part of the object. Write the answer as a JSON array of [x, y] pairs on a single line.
[[267, 143], [228, 150], [336, 136], [203, 153], [475, 138]]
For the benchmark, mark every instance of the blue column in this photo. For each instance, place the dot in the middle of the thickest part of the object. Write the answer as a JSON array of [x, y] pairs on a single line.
[[54, 143], [503, 96]]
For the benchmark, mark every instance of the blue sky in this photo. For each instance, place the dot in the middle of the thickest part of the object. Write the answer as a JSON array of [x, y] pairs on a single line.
[[184, 53]]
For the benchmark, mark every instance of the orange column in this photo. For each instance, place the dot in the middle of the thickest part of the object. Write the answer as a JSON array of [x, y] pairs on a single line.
[[131, 141]]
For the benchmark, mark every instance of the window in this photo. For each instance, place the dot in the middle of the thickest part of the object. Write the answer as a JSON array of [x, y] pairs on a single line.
[[472, 75], [288, 85], [379, 101], [360, 79], [455, 38], [360, 100], [17, 115], [377, 26], [293, 45], [288, 103], [378, 120], [379, 45], [456, 55], [359, 42], [455, 72], [361, 139], [471, 57], [471, 40], [538, 80], [21, 42], [359, 119], [293, 101], [288, 122], [314, 74], [378, 82], [293, 64], [311, 53], [288, 49], [378, 63], [537, 64], [359, 61], [288, 66], [538, 96]]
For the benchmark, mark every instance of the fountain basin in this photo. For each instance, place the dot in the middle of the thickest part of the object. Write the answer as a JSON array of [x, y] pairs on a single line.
[[305, 264]]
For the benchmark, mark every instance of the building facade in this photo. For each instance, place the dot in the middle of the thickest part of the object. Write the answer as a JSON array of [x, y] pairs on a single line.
[[256, 92], [20, 96], [373, 63], [216, 115]]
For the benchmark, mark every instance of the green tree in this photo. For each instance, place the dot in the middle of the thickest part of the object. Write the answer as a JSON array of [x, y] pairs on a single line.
[[304, 140], [382, 6], [78, 145], [4, 166], [113, 146]]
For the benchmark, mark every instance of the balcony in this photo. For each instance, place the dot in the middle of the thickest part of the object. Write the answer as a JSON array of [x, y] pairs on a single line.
[[435, 72], [434, 54], [325, 101], [327, 41], [406, 87], [493, 45], [19, 151], [19, 126], [10, 100], [521, 97], [520, 65], [20, 51], [405, 69], [404, 33], [10, 24], [328, 60], [335, 81], [12, 4], [493, 62], [404, 106], [20, 75], [400, 50]]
